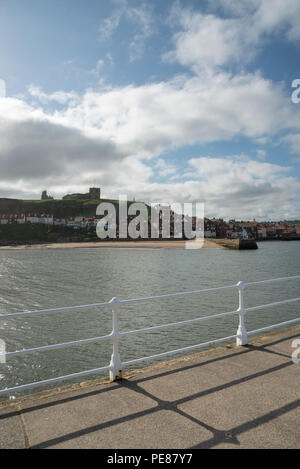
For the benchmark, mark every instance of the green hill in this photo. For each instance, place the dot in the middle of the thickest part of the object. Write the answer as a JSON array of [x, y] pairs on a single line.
[[57, 208], [36, 233]]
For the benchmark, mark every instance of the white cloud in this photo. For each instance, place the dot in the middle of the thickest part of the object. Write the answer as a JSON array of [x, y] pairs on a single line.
[[111, 23], [266, 16], [261, 154], [232, 186], [60, 97], [164, 169], [235, 7], [141, 19], [207, 41], [108, 137], [246, 187], [116, 136], [147, 119], [110, 59], [277, 15], [294, 141]]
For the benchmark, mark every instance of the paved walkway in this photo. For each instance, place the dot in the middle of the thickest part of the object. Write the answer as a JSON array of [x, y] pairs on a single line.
[[244, 397]]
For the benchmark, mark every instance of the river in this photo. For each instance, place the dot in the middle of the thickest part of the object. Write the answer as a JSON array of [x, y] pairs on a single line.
[[33, 279]]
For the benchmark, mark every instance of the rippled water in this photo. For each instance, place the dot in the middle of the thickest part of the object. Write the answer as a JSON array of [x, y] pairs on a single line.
[[36, 279]]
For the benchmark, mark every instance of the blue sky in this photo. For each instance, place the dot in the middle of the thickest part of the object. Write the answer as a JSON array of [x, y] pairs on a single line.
[[164, 101]]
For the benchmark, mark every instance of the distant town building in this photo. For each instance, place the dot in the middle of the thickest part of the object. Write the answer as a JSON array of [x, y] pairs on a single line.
[[46, 219], [93, 194], [45, 196]]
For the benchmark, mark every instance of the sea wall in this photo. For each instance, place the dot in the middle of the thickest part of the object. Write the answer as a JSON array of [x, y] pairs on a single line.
[[239, 244]]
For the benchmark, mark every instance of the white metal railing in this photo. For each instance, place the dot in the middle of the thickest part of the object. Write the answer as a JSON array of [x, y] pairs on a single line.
[[116, 365]]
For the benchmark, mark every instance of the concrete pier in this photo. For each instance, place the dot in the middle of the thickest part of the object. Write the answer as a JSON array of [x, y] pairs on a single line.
[[239, 243], [229, 397]]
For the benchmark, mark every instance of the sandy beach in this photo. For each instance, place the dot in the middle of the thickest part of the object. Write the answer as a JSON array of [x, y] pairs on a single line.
[[169, 244]]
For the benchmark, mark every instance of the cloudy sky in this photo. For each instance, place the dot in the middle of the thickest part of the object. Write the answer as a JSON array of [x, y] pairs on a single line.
[[171, 101]]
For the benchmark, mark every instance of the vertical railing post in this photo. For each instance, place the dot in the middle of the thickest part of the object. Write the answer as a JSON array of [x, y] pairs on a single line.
[[242, 338], [115, 363]]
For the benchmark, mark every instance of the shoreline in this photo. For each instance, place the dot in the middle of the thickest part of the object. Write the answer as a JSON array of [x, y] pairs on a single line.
[[169, 244]]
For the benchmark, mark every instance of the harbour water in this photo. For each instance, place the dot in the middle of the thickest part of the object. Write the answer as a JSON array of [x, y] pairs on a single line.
[[33, 279]]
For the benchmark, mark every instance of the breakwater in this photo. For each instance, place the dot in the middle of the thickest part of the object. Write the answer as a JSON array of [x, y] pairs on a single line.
[[239, 244]]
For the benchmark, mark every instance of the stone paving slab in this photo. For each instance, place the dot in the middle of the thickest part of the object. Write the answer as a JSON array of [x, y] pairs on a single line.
[[11, 429], [229, 397]]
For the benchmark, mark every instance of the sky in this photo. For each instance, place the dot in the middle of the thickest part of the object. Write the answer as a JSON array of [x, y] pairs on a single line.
[[164, 101]]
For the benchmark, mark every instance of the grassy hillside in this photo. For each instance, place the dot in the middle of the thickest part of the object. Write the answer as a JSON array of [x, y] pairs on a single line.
[[59, 208], [36, 233], [23, 233]]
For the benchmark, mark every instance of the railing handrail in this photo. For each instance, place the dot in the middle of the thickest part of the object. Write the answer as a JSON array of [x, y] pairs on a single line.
[[115, 367]]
